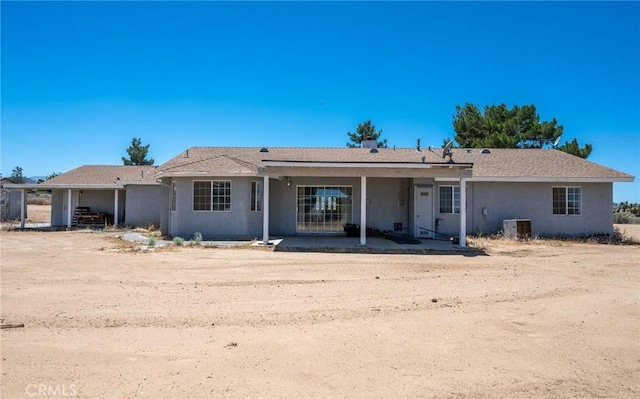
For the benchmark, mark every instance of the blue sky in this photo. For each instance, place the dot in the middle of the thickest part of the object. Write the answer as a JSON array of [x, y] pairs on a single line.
[[80, 79]]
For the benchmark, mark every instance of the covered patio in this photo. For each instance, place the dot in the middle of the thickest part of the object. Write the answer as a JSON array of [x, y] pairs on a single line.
[[422, 176]]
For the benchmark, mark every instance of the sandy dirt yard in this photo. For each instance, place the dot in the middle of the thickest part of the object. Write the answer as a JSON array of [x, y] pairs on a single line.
[[532, 320], [38, 213]]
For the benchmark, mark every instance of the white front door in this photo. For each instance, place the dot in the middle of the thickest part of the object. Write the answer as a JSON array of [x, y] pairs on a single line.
[[423, 211]]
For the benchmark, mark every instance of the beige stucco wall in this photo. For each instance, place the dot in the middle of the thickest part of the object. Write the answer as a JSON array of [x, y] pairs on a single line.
[[239, 222], [56, 208], [390, 200], [534, 201], [142, 205], [103, 201], [11, 207]]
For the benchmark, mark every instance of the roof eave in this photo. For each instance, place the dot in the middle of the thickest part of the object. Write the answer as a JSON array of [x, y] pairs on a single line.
[[65, 186], [194, 173], [400, 165], [514, 179], [140, 183]]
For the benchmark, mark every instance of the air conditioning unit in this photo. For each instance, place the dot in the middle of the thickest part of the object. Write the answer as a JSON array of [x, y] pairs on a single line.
[[516, 228]]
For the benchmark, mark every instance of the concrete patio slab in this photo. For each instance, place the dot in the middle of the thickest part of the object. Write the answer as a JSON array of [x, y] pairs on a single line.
[[375, 245]]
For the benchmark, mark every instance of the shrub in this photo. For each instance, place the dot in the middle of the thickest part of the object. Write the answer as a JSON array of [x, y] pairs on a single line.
[[197, 237], [43, 200], [152, 241], [178, 241], [625, 218], [624, 207], [620, 237]]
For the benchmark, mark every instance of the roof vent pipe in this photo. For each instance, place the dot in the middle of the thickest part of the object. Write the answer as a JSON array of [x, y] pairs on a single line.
[[418, 145]]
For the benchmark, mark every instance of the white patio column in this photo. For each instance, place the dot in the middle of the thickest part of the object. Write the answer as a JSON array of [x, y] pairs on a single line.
[[115, 207], [463, 212], [69, 214], [265, 211], [23, 210], [363, 210]]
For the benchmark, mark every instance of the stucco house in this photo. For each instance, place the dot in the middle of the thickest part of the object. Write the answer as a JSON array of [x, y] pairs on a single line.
[[258, 192]]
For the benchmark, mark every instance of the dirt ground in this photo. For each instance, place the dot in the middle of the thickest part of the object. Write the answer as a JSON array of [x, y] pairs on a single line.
[[540, 319], [38, 213]]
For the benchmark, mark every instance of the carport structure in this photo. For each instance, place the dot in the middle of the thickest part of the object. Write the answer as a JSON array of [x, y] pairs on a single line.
[[100, 188]]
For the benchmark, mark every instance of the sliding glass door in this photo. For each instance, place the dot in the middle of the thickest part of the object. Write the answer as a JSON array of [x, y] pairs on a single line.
[[323, 209]]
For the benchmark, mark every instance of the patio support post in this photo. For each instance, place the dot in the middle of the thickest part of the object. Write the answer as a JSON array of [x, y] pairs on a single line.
[[265, 211], [363, 210], [115, 207], [23, 211], [69, 209], [463, 212]]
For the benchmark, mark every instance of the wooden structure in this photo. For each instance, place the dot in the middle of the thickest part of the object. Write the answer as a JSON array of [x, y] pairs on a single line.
[[83, 217]]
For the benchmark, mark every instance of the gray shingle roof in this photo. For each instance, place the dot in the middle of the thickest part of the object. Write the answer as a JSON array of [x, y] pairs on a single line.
[[102, 174], [498, 163], [534, 163]]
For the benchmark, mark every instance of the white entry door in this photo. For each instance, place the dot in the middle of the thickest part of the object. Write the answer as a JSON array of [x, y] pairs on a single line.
[[423, 211]]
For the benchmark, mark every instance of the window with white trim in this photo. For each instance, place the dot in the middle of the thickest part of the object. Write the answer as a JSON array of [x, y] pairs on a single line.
[[211, 195], [449, 199], [256, 196], [567, 200]]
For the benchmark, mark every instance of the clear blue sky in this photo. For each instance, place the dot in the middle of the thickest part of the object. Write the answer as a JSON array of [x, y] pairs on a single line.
[[80, 79]]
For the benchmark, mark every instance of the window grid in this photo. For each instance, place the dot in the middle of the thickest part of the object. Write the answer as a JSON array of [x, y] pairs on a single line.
[[221, 195], [324, 208], [201, 195], [567, 200], [256, 196], [449, 199], [574, 200], [211, 195]]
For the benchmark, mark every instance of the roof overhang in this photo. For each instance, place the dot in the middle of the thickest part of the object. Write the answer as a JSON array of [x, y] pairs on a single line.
[[551, 179], [139, 183], [65, 186], [396, 165], [221, 173]]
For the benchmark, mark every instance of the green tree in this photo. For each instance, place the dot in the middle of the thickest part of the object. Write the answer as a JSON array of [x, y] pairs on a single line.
[[365, 131], [500, 127], [137, 154], [573, 148], [17, 177]]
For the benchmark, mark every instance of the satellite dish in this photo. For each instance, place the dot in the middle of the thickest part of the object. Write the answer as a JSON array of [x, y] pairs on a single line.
[[555, 143], [446, 151]]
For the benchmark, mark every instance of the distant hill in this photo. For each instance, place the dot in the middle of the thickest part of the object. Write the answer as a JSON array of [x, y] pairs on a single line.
[[35, 179]]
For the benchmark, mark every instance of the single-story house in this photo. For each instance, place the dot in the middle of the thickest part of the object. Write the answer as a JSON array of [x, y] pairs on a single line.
[[257, 192]]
